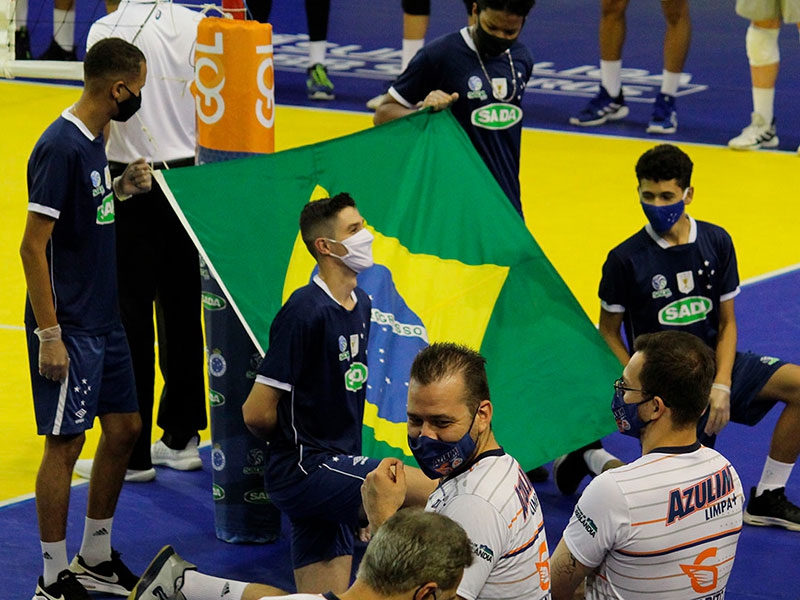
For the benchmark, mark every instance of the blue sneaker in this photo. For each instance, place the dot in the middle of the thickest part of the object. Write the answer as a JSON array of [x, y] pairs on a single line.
[[665, 118], [600, 109], [318, 86]]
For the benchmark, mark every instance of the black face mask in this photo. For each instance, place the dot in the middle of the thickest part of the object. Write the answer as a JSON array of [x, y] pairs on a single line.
[[488, 44], [127, 108]]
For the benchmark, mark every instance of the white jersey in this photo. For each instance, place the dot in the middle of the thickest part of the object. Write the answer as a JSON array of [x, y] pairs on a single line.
[[496, 505], [664, 527], [166, 34]]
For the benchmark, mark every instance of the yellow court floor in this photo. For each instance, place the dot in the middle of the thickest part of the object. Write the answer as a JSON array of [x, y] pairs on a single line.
[[579, 198]]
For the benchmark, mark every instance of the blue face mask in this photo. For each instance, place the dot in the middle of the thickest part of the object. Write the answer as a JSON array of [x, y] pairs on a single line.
[[627, 415], [662, 218], [437, 458]]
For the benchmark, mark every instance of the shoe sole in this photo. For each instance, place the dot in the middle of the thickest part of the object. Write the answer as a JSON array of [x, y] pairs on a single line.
[[760, 521], [188, 464], [150, 573], [96, 585], [321, 96], [615, 116], [773, 143], [661, 130]]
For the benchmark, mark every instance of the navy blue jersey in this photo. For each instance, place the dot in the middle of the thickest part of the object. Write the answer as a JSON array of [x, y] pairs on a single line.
[[69, 180], [494, 125], [661, 287], [318, 355]]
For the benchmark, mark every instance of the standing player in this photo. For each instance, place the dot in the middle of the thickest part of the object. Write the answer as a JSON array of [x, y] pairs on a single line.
[[664, 527], [308, 399], [480, 486], [79, 358], [680, 274], [481, 71]]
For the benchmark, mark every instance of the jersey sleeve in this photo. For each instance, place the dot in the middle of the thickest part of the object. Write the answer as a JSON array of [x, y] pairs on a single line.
[[49, 174], [599, 523], [484, 527], [730, 269], [288, 336], [613, 290], [419, 78]]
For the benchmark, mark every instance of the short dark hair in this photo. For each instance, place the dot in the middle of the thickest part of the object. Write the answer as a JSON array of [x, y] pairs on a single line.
[[679, 368], [317, 218], [445, 359], [515, 7], [112, 58], [412, 548], [665, 162]]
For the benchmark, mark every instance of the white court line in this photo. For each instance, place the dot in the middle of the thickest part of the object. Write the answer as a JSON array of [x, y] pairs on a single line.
[[771, 275]]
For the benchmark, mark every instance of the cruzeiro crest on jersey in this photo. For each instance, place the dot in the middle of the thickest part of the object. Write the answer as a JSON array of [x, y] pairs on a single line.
[[496, 116]]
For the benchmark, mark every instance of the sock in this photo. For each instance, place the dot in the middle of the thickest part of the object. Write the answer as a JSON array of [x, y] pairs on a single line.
[[410, 49], [198, 586], [21, 14], [96, 545], [596, 458], [669, 82], [774, 476], [64, 28], [54, 556], [611, 76], [764, 103], [316, 52]]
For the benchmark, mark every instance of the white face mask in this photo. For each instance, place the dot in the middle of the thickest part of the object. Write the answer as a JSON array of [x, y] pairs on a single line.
[[359, 250]]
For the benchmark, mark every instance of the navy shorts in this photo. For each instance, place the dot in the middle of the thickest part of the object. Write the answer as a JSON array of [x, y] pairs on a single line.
[[100, 381], [323, 508], [751, 372]]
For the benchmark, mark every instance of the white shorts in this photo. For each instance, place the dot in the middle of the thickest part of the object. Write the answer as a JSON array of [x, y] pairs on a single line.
[[764, 10]]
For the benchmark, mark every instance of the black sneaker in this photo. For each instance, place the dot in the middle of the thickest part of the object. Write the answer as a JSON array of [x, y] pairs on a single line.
[[111, 576], [538, 475], [56, 52], [66, 587], [570, 469], [22, 44], [772, 508]]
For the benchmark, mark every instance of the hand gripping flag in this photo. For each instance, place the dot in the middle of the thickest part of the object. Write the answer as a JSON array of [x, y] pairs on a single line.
[[454, 262]]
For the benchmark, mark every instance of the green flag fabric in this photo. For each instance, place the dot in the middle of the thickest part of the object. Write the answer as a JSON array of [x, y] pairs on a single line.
[[454, 262]]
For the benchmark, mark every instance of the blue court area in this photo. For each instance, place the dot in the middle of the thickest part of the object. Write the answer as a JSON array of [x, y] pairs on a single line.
[[178, 508], [713, 106]]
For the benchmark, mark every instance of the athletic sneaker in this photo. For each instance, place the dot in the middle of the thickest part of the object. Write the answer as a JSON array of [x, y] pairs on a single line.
[[66, 587], [600, 109], [83, 468], [757, 135], [163, 577], [570, 469], [22, 44], [374, 103], [187, 459], [665, 118], [110, 576], [772, 508], [318, 86]]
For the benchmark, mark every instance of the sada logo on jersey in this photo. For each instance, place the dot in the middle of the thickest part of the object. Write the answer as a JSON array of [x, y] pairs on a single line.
[[686, 311], [496, 116]]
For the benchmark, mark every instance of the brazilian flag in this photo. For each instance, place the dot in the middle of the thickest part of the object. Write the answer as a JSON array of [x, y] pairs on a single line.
[[454, 262]]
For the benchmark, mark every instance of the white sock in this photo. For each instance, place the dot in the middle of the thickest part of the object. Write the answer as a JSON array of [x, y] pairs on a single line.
[[611, 76], [410, 49], [774, 476], [64, 28], [96, 544], [316, 52], [669, 82], [54, 556], [596, 459], [764, 102], [198, 586]]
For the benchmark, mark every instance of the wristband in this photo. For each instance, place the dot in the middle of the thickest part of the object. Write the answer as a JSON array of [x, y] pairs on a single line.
[[51, 334], [722, 387], [120, 196]]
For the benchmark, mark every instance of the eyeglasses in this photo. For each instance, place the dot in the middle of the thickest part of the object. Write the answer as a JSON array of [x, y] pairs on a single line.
[[620, 387]]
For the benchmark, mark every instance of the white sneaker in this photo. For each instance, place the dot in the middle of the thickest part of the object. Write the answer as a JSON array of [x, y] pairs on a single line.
[[163, 578], [83, 468], [187, 459], [374, 103], [759, 134]]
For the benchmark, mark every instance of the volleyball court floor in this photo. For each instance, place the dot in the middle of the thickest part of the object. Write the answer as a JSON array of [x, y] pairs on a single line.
[[579, 198]]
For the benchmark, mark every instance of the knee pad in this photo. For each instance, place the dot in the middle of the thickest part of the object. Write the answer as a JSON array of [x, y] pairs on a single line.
[[417, 7], [762, 46]]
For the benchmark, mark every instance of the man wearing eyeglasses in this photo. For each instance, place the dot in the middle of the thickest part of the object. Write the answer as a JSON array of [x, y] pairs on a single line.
[[666, 525]]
